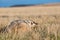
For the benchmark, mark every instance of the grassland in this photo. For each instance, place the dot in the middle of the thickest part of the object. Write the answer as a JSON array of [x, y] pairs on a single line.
[[47, 17]]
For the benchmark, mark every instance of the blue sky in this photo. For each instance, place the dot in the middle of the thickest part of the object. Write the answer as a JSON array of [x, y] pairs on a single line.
[[6, 3]]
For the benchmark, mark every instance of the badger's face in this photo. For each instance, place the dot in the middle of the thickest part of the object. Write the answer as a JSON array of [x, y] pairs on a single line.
[[31, 23]]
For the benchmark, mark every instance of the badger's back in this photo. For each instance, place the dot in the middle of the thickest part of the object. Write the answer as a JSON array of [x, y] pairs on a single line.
[[17, 25]]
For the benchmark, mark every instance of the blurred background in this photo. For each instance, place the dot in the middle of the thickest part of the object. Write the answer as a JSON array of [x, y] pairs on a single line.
[[7, 3]]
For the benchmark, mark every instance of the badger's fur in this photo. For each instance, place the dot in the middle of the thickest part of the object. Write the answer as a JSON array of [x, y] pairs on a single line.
[[20, 25]]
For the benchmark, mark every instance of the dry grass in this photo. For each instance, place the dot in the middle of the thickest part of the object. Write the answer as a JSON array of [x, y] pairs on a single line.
[[32, 10], [48, 27]]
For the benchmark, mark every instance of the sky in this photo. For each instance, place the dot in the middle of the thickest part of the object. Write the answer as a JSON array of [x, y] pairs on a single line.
[[7, 3]]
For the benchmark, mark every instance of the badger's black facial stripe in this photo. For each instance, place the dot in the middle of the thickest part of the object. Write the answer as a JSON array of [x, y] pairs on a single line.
[[31, 23], [35, 23]]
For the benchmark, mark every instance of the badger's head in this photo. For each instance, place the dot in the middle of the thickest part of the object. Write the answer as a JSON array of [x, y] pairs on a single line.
[[30, 23]]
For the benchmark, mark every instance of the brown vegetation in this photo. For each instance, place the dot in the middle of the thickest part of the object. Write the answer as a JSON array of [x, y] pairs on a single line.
[[48, 19]]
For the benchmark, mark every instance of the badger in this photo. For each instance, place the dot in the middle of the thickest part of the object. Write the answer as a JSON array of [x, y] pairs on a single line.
[[20, 25]]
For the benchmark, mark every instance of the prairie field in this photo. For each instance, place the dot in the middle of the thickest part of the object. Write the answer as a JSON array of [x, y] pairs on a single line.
[[47, 17]]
